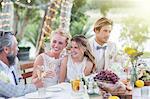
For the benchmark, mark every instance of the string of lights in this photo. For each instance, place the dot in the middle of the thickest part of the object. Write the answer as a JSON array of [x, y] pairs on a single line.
[[65, 15], [17, 2], [41, 6], [53, 5], [6, 15], [49, 18]]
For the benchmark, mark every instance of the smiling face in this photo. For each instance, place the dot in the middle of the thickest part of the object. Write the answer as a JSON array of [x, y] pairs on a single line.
[[58, 43], [102, 35], [76, 50]]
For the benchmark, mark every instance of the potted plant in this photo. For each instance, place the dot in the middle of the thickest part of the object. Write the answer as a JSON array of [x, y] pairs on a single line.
[[23, 53], [28, 42]]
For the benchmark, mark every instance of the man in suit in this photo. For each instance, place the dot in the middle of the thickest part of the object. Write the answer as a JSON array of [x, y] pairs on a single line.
[[104, 51], [9, 78]]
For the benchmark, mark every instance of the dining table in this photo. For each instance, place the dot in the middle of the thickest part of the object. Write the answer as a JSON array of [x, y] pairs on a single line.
[[64, 91], [59, 91]]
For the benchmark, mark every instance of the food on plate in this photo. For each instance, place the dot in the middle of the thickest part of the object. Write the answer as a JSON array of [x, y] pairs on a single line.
[[107, 76], [125, 81], [129, 87], [109, 81], [144, 75]]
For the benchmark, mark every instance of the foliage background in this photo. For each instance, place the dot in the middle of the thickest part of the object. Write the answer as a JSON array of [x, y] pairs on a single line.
[[131, 15]]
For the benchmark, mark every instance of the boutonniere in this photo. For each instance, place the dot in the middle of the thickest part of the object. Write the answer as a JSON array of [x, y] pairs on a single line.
[[4, 77]]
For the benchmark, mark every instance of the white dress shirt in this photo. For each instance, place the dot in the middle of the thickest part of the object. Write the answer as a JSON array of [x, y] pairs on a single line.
[[108, 52], [10, 89], [99, 55], [8, 71]]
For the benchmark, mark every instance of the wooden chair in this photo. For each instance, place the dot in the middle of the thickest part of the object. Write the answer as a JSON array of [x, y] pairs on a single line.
[[27, 69]]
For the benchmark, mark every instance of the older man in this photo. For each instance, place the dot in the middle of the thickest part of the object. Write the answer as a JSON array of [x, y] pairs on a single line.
[[9, 79]]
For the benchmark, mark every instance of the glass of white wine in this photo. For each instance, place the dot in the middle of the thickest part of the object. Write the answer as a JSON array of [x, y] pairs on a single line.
[[41, 73]]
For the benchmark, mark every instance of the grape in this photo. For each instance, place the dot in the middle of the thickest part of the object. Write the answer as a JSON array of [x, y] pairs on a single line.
[[106, 75]]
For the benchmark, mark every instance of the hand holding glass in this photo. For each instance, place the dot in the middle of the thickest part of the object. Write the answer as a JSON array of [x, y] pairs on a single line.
[[40, 72]]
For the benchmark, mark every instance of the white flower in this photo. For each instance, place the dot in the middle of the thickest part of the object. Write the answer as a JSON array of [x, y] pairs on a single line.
[[4, 77]]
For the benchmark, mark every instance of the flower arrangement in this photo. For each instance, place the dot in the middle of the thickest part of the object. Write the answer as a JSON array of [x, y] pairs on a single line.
[[134, 55]]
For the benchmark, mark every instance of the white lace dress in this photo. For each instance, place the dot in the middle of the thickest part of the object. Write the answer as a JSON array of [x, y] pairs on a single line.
[[75, 70], [53, 64]]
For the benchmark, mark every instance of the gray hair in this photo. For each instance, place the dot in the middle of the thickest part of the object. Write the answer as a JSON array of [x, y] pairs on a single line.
[[6, 40]]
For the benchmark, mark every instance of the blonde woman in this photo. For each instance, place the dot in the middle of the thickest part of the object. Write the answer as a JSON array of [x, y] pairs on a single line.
[[80, 61], [49, 62]]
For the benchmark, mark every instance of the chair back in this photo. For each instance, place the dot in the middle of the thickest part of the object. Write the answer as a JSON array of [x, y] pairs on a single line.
[[27, 69]]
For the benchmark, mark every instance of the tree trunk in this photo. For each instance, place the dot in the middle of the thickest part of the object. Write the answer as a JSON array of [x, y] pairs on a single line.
[[65, 15], [23, 25], [46, 29]]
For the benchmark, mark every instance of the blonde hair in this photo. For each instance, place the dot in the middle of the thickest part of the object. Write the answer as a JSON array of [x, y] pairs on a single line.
[[83, 42], [102, 22], [62, 33]]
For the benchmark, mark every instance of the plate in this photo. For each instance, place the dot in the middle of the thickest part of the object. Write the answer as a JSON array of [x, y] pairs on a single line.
[[54, 89], [35, 95]]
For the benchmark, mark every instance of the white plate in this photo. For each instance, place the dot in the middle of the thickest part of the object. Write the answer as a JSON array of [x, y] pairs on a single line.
[[54, 89], [35, 95]]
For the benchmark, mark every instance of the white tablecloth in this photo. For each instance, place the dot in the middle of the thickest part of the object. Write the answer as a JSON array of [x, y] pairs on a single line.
[[141, 93], [66, 93]]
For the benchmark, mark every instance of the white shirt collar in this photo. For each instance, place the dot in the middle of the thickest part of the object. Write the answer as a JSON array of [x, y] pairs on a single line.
[[6, 67], [96, 44], [8, 71]]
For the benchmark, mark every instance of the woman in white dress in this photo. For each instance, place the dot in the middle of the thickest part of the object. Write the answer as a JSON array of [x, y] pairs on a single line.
[[80, 61], [46, 65]]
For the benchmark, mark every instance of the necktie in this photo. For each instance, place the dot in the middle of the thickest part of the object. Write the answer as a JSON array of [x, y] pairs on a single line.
[[98, 47], [14, 77]]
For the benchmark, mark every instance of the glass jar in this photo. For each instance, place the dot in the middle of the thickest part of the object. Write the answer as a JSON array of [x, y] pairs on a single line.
[[133, 76]]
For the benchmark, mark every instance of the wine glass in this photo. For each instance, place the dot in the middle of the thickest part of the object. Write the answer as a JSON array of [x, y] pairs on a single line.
[[41, 73]]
